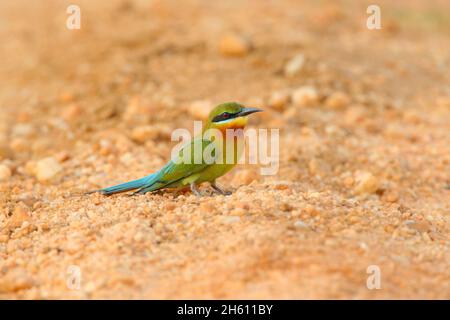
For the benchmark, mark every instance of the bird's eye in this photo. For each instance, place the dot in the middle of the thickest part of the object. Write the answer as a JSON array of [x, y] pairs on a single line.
[[223, 116]]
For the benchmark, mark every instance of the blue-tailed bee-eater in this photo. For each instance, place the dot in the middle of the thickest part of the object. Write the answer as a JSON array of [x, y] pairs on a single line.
[[224, 117]]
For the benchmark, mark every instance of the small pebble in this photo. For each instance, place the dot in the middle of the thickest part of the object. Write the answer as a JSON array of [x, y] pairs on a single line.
[[4, 238], [239, 212], [366, 183], [139, 237], [5, 172], [279, 99], [233, 45], [23, 130], [16, 282], [245, 177], [47, 169], [305, 96], [300, 225], [138, 110], [337, 100], [230, 219], [421, 226], [200, 109], [19, 217], [72, 112], [143, 133], [19, 145], [294, 66], [392, 196]]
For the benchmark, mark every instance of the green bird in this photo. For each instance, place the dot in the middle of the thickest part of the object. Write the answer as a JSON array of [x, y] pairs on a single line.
[[195, 168]]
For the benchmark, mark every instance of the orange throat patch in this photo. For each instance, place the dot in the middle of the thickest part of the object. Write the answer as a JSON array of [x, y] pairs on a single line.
[[237, 123]]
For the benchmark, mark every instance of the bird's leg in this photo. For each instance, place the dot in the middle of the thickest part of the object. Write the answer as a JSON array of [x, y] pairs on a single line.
[[194, 189], [219, 190]]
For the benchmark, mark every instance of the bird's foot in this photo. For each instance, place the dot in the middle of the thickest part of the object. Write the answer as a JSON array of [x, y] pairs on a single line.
[[219, 190], [195, 190]]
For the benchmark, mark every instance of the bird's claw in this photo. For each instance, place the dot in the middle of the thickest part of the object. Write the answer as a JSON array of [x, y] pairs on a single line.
[[195, 190], [198, 193], [219, 190]]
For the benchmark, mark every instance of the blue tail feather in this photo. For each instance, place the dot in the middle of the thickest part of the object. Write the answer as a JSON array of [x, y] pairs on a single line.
[[127, 186]]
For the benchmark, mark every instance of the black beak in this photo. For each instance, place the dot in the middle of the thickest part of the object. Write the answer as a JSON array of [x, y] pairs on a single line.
[[247, 111]]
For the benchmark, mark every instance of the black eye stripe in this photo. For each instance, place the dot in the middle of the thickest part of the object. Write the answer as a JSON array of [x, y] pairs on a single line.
[[223, 116]]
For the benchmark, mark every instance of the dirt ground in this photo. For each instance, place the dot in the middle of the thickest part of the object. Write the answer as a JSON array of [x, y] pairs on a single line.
[[363, 183]]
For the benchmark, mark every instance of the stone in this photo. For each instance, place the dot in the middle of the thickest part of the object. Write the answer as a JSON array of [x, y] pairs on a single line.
[[233, 45], [279, 99], [300, 225], [72, 112], [420, 225], [16, 282], [200, 109], [230, 219], [305, 96], [5, 172], [294, 65], [365, 183], [138, 110], [19, 217], [25, 130], [47, 169], [337, 100], [143, 133]]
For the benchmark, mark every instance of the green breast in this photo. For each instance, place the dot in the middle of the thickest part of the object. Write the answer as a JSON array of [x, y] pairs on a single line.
[[217, 170]]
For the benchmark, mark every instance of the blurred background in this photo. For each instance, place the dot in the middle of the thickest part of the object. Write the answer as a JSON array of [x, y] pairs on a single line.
[[364, 119]]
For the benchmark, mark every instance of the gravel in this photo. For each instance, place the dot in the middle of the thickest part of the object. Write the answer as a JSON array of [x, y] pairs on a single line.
[[364, 153]]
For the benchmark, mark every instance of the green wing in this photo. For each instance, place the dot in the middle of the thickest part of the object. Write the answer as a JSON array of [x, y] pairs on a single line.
[[188, 163]]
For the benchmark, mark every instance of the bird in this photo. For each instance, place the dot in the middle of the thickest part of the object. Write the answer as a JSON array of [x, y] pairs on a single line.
[[182, 174]]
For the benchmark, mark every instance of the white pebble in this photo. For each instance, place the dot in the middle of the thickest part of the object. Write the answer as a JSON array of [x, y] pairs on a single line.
[[305, 96], [300, 225], [231, 219], [47, 169], [5, 172], [295, 65]]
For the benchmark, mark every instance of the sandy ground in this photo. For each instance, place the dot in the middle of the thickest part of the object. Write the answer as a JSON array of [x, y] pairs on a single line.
[[364, 118]]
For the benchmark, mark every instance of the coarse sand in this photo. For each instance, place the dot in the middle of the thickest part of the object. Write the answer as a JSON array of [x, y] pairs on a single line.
[[363, 186]]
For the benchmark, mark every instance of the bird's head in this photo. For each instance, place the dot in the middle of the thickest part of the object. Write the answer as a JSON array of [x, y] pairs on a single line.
[[229, 115]]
